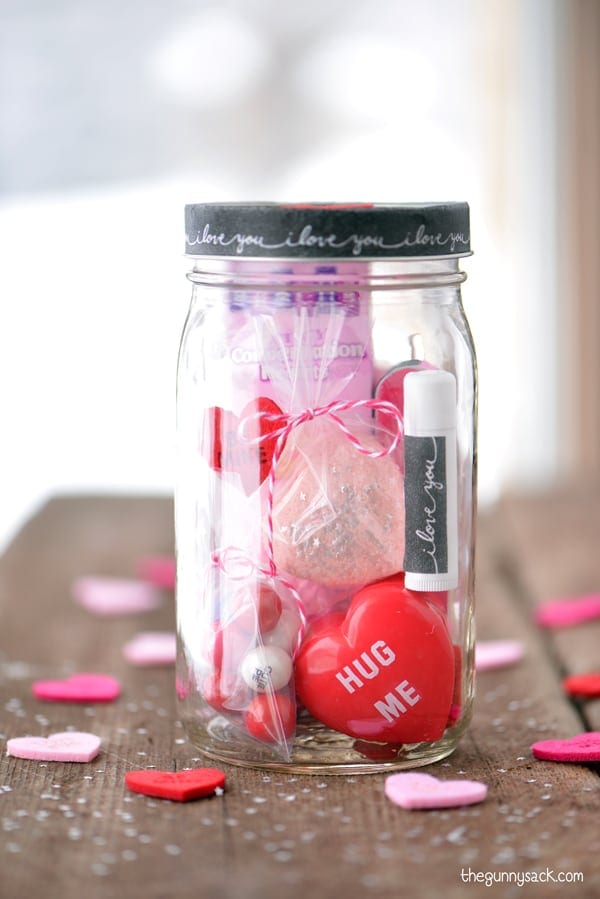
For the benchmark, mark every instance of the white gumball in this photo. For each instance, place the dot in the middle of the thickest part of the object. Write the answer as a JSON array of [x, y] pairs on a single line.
[[266, 668]]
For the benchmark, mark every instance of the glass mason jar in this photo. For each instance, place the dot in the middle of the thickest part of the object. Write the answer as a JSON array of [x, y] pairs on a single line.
[[325, 493]]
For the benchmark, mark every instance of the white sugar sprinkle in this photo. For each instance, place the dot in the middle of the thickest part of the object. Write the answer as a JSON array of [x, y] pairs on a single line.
[[100, 870], [456, 835]]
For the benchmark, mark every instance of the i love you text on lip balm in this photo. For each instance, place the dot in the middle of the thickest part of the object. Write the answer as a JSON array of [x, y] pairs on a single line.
[[368, 665]]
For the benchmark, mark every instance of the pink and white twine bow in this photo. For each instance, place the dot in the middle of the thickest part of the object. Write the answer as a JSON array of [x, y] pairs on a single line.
[[233, 562], [237, 566]]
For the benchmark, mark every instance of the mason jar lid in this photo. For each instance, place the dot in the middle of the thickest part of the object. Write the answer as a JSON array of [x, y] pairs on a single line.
[[327, 230]]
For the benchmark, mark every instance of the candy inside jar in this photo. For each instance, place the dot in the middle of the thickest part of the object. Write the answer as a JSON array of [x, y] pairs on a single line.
[[324, 506], [338, 512]]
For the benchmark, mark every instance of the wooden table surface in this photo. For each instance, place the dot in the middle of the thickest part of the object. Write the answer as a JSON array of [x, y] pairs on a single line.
[[74, 829]]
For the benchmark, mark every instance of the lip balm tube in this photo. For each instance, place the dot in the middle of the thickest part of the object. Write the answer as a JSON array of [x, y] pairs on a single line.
[[430, 481]]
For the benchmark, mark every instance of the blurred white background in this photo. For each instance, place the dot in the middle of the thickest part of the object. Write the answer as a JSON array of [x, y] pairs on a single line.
[[114, 114]]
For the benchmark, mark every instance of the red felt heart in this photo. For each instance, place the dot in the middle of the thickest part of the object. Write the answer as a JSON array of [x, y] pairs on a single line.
[[584, 685], [249, 456], [387, 673], [178, 785]]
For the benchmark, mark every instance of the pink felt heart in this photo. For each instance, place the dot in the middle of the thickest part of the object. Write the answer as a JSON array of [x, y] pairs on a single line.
[[425, 791], [78, 688], [497, 653], [71, 746], [568, 610], [158, 570], [151, 648], [582, 748], [115, 596]]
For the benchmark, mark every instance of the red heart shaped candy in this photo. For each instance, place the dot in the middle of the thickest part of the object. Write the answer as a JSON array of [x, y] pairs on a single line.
[[178, 785], [387, 673], [250, 456]]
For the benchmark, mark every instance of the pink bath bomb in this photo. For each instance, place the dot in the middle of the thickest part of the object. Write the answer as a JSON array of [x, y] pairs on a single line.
[[338, 514]]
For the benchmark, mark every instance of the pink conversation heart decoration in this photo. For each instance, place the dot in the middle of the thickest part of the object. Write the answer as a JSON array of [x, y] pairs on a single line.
[[152, 648], [71, 746], [568, 611], [414, 791], [582, 748], [158, 570], [78, 688], [115, 596], [497, 653]]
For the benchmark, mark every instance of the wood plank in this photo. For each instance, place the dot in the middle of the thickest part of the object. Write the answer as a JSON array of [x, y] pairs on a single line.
[[578, 263], [550, 550], [65, 826]]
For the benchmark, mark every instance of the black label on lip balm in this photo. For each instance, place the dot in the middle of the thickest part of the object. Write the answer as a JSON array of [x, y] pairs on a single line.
[[425, 492]]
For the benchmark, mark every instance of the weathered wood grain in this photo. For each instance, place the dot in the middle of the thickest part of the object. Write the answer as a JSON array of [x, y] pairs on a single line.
[[550, 548], [73, 828]]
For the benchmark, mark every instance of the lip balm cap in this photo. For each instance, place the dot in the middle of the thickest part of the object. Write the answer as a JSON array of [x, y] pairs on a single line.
[[429, 402]]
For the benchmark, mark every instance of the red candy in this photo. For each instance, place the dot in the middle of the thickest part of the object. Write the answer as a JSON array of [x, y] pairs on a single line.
[[180, 786], [215, 692], [225, 692], [390, 389], [386, 674], [269, 716], [227, 450], [259, 613], [226, 646]]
